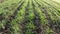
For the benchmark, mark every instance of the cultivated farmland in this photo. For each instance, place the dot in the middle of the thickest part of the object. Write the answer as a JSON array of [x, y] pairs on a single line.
[[29, 17]]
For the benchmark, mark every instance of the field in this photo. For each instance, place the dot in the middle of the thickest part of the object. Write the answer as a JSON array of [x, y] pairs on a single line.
[[29, 17]]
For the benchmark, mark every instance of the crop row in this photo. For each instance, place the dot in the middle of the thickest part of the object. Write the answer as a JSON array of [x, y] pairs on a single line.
[[8, 11], [53, 15], [29, 17], [15, 24]]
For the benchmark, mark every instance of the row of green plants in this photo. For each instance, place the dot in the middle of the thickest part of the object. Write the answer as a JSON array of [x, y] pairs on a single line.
[[15, 24], [8, 6], [55, 18], [43, 20], [29, 18], [7, 15], [56, 6], [51, 10]]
